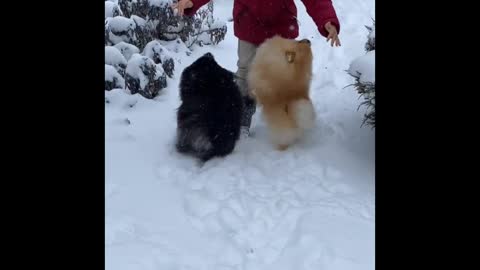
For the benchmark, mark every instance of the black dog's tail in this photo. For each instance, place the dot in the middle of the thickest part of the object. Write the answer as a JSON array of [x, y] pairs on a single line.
[[195, 141]]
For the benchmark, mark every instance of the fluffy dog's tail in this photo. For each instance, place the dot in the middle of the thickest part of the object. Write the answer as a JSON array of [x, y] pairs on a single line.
[[302, 112], [288, 122]]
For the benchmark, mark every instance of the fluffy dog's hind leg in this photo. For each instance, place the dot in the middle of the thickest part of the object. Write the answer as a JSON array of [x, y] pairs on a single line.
[[283, 131]]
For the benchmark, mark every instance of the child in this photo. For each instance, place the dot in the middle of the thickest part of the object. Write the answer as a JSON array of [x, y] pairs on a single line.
[[254, 21]]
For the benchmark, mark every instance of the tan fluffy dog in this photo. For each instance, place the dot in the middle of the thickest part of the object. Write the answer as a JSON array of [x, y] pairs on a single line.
[[279, 79]]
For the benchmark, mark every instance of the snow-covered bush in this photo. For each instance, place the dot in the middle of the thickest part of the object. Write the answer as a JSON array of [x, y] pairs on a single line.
[[112, 10], [143, 31], [120, 29], [160, 55], [145, 77], [114, 57], [126, 49], [370, 45], [134, 7], [113, 79], [146, 27], [159, 21], [201, 29], [363, 70]]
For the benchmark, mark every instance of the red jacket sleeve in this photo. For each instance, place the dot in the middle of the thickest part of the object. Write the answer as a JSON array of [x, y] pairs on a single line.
[[196, 5], [322, 11]]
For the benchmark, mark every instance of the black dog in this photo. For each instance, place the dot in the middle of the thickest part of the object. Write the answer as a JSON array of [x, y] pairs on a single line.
[[208, 120]]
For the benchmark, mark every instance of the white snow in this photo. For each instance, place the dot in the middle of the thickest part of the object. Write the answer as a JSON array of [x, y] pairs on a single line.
[[365, 65], [308, 208]]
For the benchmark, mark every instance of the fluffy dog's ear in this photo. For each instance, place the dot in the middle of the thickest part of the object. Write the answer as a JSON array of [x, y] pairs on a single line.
[[305, 41], [290, 56]]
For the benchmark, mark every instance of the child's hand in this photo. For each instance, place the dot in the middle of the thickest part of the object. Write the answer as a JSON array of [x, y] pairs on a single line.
[[332, 34], [181, 6]]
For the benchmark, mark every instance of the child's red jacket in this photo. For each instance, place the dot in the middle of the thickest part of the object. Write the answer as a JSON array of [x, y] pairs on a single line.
[[257, 20]]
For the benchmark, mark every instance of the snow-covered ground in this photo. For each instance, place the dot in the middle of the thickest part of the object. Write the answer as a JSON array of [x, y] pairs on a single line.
[[311, 207]]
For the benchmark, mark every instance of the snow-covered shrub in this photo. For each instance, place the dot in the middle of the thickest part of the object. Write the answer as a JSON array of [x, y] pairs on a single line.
[[167, 25], [143, 76], [134, 7], [112, 10], [113, 79], [160, 55], [203, 29], [143, 32], [114, 57], [176, 46], [120, 29], [133, 30], [363, 70], [162, 23], [126, 49], [370, 45], [147, 26]]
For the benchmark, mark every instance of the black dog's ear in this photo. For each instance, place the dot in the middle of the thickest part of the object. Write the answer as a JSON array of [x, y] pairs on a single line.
[[290, 56], [209, 55]]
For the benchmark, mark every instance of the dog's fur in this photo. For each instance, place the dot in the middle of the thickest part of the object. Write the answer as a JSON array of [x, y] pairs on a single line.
[[208, 120], [279, 79]]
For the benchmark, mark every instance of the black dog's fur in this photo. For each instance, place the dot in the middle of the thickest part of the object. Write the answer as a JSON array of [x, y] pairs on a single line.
[[208, 120]]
